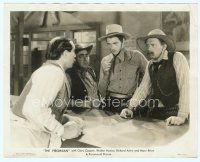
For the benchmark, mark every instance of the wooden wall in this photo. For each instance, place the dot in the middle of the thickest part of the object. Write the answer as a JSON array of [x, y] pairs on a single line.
[[135, 23]]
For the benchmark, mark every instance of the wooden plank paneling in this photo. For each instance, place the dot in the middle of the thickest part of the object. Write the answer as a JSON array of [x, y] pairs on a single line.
[[29, 56], [18, 84]]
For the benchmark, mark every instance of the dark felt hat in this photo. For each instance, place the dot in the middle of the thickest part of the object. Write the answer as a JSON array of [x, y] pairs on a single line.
[[159, 34], [80, 47]]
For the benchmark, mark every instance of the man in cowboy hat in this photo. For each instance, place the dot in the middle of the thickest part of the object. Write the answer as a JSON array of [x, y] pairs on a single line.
[[84, 89], [166, 77], [120, 70]]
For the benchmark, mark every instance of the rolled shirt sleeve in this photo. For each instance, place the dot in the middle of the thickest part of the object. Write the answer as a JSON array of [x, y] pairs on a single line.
[[46, 83], [182, 76], [142, 91], [143, 62]]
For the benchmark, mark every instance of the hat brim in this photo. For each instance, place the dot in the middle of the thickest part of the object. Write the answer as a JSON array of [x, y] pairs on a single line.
[[141, 42], [88, 48], [125, 35]]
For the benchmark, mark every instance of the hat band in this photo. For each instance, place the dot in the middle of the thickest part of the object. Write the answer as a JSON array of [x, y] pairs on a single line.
[[113, 33]]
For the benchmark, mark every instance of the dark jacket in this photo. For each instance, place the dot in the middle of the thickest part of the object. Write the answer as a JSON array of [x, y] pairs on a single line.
[[78, 89]]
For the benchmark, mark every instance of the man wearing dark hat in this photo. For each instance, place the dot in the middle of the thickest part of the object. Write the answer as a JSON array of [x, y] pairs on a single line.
[[84, 90], [166, 78], [120, 70]]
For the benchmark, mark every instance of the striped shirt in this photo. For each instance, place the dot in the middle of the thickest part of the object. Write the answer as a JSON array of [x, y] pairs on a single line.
[[182, 77]]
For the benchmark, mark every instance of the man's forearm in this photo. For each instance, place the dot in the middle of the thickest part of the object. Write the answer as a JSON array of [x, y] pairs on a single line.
[[182, 75]]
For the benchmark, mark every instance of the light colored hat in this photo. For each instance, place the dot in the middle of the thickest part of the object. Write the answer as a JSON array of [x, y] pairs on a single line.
[[80, 47], [159, 34], [114, 30]]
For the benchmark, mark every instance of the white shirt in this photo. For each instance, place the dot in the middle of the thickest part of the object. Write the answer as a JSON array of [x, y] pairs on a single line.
[[182, 77], [46, 83]]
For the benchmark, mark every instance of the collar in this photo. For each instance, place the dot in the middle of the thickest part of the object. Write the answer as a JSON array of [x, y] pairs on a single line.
[[124, 54], [164, 57], [54, 63]]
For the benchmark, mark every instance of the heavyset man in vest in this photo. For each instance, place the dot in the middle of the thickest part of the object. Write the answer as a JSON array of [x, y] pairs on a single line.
[[166, 78], [38, 119], [84, 89], [120, 70]]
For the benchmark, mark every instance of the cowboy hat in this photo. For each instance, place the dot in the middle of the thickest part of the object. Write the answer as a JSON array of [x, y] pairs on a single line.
[[114, 30], [80, 47], [159, 34]]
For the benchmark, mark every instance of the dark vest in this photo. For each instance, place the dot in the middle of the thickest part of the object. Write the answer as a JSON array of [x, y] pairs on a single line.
[[78, 89], [164, 84]]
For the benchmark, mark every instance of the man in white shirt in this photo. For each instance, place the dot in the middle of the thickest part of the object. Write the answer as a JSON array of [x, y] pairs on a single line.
[[166, 77], [37, 119]]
